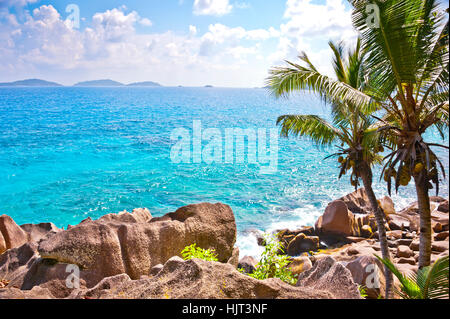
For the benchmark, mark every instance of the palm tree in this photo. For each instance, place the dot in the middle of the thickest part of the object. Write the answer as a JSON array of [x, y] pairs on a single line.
[[351, 124], [430, 282], [407, 64]]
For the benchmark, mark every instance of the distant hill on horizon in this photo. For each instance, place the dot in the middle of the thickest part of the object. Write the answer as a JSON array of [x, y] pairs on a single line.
[[111, 83], [99, 83], [31, 82], [92, 83], [146, 83]]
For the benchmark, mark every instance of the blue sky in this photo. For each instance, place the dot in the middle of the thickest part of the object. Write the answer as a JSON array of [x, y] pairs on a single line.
[[230, 43]]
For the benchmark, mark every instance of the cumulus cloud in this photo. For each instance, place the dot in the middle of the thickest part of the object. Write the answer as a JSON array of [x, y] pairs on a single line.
[[43, 38], [220, 38], [192, 30], [114, 25], [308, 27], [220, 33], [111, 47], [146, 22], [212, 7], [306, 18], [42, 44]]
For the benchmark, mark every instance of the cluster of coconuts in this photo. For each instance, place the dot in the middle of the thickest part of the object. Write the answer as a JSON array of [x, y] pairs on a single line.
[[405, 173], [348, 163]]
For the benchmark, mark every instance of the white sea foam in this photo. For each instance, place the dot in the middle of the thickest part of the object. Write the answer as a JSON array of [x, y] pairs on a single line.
[[297, 218], [248, 245]]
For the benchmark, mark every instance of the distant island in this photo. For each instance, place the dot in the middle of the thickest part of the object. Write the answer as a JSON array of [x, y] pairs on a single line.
[[146, 84], [31, 82], [111, 83], [92, 83], [97, 83]]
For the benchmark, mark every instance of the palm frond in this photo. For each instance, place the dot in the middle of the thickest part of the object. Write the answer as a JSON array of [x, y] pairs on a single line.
[[409, 288], [434, 280], [402, 48], [312, 126], [285, 80]]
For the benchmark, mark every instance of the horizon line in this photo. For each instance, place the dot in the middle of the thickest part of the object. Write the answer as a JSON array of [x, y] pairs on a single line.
[[120, 84]]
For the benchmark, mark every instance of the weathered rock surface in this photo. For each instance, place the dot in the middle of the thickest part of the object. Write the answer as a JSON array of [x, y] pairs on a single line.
[[415, 245], [193, 279], [302, 243], [198, 279], [366, 271], [2, 244], [35, 293], [248, 264], [36, 232], [285, 236], [329, 275], [404, 251], [234, 259], [439, 246], [337, 219], [405, 260], [398, 222], [133, 243], [441, 236], [285, 233], [11, 235], [387, 205], [443, 207], [357, 202], [156, 269], [16, 262], [300, 264], [394, 234]]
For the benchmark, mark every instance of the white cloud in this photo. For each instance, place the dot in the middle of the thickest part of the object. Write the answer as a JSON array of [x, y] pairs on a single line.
[[242, 5], [308, 27], [145, 22], [40, 44], [220, 38], [193, 30], [220, 33], [212, 7], [44, 46], [43, 38], [240, 52], [309, 19], [114, 25]]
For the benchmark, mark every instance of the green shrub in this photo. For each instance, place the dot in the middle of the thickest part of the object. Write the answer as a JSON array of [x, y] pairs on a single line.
[[193, 251], [273, 264], [362, 291]]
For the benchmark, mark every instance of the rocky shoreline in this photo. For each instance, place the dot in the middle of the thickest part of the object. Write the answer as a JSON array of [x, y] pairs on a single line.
[[347, 233], [136, 256]]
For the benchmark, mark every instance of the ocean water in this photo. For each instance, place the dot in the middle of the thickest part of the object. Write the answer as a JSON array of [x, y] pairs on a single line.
[[71, 153]]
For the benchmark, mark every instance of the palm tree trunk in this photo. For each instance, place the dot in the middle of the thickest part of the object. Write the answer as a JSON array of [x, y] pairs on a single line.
[[425, 220], [366, 175]]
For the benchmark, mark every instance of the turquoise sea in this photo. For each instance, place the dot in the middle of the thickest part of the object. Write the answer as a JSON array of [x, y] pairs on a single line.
[[69, 153]]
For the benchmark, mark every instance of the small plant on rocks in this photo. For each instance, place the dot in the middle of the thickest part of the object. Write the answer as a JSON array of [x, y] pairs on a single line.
[[193, 251], [273, 264]]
